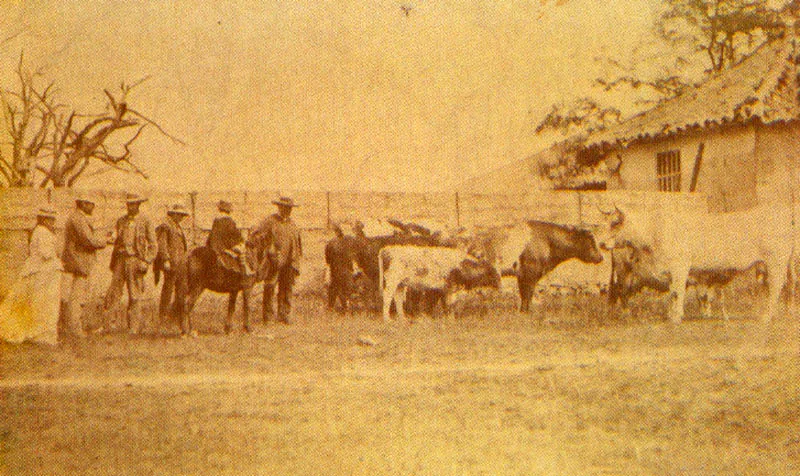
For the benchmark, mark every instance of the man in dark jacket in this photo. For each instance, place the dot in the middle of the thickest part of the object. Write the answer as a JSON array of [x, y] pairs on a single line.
[[134, 249], [226, 240], [81, 242], [280, 265], [339, 257], [171, 259]]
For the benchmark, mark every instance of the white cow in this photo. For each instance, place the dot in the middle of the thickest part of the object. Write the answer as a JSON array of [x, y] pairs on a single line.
[[682, 239], [423, 268]]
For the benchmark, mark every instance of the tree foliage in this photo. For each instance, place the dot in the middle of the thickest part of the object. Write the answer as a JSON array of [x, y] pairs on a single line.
[[709, 35], [580, 117], [723, 30]]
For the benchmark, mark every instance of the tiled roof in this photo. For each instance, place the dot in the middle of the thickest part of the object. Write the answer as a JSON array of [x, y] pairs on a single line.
[[761, 86]]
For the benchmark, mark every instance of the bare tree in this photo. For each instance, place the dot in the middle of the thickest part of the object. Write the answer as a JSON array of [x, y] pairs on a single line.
[[50, 141]]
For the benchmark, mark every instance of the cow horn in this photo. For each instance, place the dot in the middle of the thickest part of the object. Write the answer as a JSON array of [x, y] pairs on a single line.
[[620, 215], [603, 211]]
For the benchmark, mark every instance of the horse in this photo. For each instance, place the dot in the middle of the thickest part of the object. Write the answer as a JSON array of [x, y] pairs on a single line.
[[206, 272]]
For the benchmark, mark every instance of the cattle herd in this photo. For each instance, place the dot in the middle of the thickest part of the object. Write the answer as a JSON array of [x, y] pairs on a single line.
[[414, 269]]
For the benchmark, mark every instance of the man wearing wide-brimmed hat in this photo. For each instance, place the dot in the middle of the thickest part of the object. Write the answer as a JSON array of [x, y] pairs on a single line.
[[134, 250], [280, 265], [171, 259], [81, 242]]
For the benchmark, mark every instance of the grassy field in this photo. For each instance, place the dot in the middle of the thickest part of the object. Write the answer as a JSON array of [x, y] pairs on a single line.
[[572, 389]]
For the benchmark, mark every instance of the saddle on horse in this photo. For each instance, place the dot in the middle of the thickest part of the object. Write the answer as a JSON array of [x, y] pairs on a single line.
[[236, 260]]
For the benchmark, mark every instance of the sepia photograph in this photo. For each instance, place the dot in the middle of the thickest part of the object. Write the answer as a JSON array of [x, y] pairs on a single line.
[[429, 237]]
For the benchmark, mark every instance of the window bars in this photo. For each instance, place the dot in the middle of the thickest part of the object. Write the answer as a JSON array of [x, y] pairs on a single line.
[[668, 171]]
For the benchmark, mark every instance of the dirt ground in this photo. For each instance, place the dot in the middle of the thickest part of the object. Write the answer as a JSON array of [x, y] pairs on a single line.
[[582, 391]]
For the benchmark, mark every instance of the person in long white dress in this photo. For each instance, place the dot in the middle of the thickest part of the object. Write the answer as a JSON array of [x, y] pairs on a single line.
[[30, 310]]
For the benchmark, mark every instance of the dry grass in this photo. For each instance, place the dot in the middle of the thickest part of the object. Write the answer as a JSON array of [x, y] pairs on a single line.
[[579, 391]]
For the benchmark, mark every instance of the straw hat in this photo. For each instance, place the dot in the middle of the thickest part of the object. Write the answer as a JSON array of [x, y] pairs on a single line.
[[285, 202], [85, 198], [134, 198], [178, 209], [225, 206], [46, 213]]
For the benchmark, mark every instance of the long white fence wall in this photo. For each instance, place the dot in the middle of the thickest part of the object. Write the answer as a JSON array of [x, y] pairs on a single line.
[[318, 209]]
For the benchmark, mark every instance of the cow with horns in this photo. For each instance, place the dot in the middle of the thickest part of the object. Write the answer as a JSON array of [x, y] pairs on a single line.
[[550, 245], [684, 246]]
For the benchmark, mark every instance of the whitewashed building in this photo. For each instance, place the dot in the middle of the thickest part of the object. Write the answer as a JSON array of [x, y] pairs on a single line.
[[735, 137]]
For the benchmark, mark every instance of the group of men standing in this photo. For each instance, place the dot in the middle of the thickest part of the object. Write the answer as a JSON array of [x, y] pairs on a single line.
[[138, 246]]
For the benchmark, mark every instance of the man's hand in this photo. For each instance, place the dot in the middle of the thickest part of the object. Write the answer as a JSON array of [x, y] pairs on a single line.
[[167, 266]]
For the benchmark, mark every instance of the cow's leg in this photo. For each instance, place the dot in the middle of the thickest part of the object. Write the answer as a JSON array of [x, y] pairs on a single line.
[[448, 302], [678, 293], [231, 308], [776, 272], [704, 298], [721, 296], [246, 309], [387, 295], [525, 292], [400, 302]]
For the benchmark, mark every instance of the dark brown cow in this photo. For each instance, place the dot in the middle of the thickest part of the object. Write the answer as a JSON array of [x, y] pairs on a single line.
[[549, 246]]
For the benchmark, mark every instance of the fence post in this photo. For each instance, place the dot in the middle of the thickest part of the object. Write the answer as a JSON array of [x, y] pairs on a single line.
[[328, 209], [193, 204], [458, 212], [246, 215]]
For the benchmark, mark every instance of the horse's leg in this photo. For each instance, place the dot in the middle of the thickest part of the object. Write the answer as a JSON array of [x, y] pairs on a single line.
[[195, 289], [231, 308], [246, 309]]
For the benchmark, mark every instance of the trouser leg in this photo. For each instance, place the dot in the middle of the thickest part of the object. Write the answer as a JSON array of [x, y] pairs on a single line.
[[267, 311], [167, 290], [74, 291], [116, 286], [285, 283], [333, 291], [134, 280], [181, 284]]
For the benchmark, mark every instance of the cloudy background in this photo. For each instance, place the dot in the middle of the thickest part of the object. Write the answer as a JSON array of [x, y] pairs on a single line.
[[343, 94]]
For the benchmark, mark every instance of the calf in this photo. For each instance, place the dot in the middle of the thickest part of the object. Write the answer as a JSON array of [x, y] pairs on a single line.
[[429, 269], [549, 246]]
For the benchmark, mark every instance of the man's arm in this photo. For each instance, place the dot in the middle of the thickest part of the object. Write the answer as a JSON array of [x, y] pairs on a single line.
[[85, 236], [151, 247], [162, 235]]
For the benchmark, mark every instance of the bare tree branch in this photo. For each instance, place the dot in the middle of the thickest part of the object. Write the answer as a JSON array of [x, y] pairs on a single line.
[[154, 124]]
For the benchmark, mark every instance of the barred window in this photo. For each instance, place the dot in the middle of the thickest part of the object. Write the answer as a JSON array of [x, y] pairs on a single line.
[[668, 171]]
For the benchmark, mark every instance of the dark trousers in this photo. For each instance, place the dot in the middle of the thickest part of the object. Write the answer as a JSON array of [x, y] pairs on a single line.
[[175, 284], [340, 288], [284, 281], [128, 273]]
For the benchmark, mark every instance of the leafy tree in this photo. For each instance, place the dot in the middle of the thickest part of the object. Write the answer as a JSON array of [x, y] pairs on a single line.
[[723, 30], [690, 36]]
